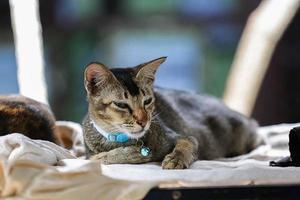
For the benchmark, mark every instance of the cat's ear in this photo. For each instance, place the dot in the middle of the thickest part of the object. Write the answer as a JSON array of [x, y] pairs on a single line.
[[96, 76], [146, 72]]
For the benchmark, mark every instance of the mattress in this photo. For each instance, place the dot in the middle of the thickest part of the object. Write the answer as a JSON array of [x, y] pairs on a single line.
[[36, 169]]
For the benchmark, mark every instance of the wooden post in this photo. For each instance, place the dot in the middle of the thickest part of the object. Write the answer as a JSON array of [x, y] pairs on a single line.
[[29, 48], [263, 30]]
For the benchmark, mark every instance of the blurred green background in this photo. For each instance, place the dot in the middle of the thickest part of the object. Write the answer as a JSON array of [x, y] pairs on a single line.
[[198, 36]]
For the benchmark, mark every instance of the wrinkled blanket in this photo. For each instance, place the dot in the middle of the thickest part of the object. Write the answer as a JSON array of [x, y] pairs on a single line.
[[35, 169]]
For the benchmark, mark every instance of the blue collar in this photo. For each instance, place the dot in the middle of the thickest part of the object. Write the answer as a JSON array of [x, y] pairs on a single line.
[[117, 137], [112, 137]]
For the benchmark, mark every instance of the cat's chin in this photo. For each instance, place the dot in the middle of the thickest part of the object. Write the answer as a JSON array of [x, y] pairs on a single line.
[[136, 135]]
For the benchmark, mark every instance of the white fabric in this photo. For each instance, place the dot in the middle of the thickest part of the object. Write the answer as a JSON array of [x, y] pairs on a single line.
[[73, 178], [78, 148], [19, 147]]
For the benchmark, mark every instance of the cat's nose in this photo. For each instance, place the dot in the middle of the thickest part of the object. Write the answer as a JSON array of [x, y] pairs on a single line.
[[141, 123], [140, 116]]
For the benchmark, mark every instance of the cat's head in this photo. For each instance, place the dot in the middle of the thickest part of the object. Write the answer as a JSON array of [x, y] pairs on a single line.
[[122, 99]]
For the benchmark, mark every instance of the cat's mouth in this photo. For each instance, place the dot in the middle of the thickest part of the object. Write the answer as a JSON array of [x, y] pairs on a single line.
[[138, 132]]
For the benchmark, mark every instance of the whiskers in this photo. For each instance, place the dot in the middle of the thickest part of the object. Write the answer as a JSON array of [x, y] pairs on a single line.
[[127, 125], [155, 117], [130, 126]]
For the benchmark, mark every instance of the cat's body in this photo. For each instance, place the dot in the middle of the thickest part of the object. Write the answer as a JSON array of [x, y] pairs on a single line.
[[186, 127], [19, 114]]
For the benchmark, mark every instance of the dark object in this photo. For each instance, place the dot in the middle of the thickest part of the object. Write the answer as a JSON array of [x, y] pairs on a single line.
[[19, 114], [283, 162], [294, 147], [273, 192]]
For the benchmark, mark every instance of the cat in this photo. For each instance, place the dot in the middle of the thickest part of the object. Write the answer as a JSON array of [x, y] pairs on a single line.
[[130, 121], [20, 114]]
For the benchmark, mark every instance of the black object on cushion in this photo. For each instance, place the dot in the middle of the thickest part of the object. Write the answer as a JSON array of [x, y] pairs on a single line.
[[294, 147]]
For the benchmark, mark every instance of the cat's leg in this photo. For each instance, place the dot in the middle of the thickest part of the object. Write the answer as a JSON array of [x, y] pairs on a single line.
[[122, 155], [184, 153]]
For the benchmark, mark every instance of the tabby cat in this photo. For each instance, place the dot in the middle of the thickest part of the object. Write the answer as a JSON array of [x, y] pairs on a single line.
[[19, 114], [130, 121]]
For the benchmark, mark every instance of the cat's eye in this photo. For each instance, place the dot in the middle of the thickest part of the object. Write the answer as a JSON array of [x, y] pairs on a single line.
[[121, 105], [148, 101]]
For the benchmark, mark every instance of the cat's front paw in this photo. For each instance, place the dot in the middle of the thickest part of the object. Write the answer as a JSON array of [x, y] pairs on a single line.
[[174, 161], [129, 154], [102, 157]]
